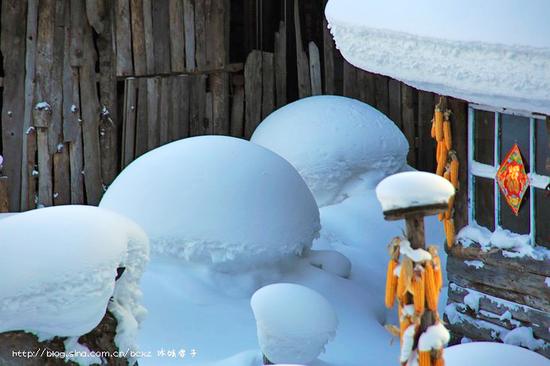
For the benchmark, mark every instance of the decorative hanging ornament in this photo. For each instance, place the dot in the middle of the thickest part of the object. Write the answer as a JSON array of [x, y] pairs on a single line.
[[512, 179]]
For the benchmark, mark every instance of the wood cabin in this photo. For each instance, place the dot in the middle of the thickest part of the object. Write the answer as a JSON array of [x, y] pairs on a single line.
[[497, 91]]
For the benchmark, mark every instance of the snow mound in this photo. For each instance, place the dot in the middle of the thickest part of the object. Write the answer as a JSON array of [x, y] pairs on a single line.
[[331, 261], [58, 270], [491, 353], [334, 142], [412, 189], [294, 322], [219, 201]]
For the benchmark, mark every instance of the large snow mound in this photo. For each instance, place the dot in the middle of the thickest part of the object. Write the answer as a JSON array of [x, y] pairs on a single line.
[[412, 189], [294, 322], [490, 353], [494, 52], [58, 268], [334, 142], [219, 201]]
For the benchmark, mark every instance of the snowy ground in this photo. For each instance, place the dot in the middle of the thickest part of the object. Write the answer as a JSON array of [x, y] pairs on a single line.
[[185, 312]]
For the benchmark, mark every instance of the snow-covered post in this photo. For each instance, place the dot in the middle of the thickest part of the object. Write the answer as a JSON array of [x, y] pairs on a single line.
[[415, 281]]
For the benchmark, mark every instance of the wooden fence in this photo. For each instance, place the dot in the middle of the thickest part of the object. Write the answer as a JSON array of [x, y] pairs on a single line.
[[88, 86]]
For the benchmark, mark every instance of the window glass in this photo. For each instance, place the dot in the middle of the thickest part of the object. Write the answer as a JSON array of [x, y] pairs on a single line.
[[543, 146], [484, 189], [484, 134], [542, 216], [514, 130], [517, 224]]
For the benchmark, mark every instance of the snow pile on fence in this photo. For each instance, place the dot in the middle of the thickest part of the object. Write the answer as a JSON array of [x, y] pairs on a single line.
[[412, 189], [451, 49], [294, 322], [335, 143], [219, 201], [58, 268]]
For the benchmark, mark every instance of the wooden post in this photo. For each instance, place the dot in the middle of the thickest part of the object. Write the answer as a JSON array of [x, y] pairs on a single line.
[[4, 204]]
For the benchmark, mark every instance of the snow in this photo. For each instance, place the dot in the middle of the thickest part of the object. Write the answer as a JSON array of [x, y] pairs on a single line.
[[43, 106], [70, 256], [412, 189], [491, 353], [494, 53], [475, 263], [416, 255], [547, 281], [335, 143], [218, 201], [472, 300], [434, 337], [331, 261], [294, 322], [523, 336]]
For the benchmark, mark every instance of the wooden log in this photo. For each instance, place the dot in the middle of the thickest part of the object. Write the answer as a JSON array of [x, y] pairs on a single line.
[[153, 132], [129, 121], [427, 145], [527, 288], [149, 39], [219, 85], [394, 88], [382, 94], [350, 80], [408, 114], [164, 109], [141, 119], [197, 106], [177, 40], [4, 195], [253, 98], [61, 176], [280, 65], [237, 108], [123, 43], [302, 64], [28, 148], [315, 69], [268, 84], [189, 28], [161, 36], [138, 37], [365, 84]]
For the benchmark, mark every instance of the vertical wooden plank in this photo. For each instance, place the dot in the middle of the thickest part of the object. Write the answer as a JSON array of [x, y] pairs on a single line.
[[123, 38], [426, 146], [141, 119], [164, 109], [280, 65], [219, 85], [149, 40], [315, 69], [180, 108], [408, 116], [62, 181], [394, 87], [328, 57], [189, 28], [198, 125], [177, 41], [95, 11], [382, 94], [138, 37], [252, 86], [366, 86], [153, 132], [302, 64], [161, 36], [4, 195], [268, 94], [28, 185], [350, 80], [237, 108], [208, 114], [129, 121], [217, 55], [45, 184], [200, 34]]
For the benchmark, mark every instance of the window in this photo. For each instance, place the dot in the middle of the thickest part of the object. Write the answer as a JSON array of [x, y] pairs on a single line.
[[493, 133]]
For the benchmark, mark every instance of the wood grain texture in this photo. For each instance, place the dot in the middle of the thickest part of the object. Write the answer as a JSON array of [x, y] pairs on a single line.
[[161, 36], [124, 65], [409, 116], [427, 145], [219, 85], [189, 29], [268, 84], [138, 37], [177, 36], [315, 69], [280, 60], [252, 88], [302, 63]]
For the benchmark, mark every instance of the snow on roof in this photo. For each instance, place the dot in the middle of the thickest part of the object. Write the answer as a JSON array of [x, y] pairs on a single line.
[[492, 52], [58, 267], [412, 189]]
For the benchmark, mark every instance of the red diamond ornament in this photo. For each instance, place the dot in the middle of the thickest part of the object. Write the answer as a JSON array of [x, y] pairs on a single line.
[[512, 179]]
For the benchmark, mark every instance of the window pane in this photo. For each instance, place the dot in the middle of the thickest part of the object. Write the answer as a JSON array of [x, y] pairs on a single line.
[[542, 215], [484, 202], [516, 224], [484, 132], [514, 130], [543, 147]]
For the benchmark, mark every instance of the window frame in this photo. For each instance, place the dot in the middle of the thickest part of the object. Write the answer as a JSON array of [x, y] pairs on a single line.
[[477, 169]]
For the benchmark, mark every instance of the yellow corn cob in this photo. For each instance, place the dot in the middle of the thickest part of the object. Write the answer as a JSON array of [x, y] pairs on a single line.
[[448, 213], [450, 232], [432, 292], [438, 359], [424, 358], [442, 159], [454, 170], [405, 278], [419, 296], [447, 134], [438, 152], [439, 125], [438, 275], [391, 283], [432, 132]]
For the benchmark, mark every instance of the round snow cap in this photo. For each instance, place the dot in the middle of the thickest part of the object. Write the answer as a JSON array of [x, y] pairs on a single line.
[[413, 189], [294, 322], [492, 353]]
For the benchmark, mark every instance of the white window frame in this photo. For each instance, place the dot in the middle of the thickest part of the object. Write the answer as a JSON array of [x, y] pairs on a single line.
[[477, 169]]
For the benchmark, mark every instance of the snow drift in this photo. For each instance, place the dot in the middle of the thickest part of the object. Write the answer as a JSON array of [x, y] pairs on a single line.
[[219, 201], [334, 143], [294, 322], [58, 268], [491, 353]]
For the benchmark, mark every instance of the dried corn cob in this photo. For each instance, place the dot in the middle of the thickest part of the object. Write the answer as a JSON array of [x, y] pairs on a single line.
[[432, 132], [454, 169], [419, 297], [450, 232], [439, 124], [438, 359], [405, 278], [432, 291], [391, 283], [424, 358]]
